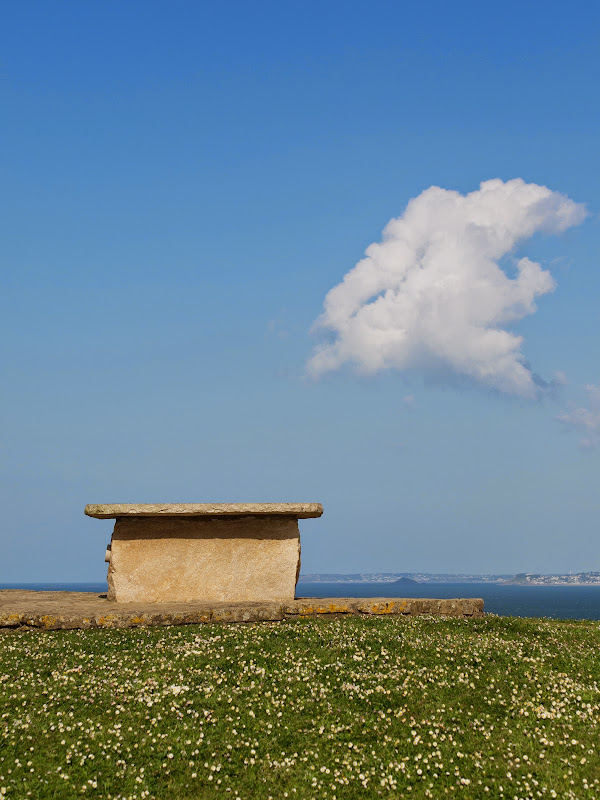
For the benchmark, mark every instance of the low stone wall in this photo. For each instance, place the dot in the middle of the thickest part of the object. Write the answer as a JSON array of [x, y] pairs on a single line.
[[20, 609]]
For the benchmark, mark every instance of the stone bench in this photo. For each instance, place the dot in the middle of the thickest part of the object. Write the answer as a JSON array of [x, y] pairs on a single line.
[[221, 552]]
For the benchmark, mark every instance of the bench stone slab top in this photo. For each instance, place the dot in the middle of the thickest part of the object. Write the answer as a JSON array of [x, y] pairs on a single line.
[[116, 510]]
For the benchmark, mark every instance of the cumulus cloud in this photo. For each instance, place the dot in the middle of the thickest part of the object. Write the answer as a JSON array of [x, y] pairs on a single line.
[[432, 297], [586, 420]]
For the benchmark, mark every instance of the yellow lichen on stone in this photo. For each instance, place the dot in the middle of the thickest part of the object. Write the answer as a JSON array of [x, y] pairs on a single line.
[[48, 622], [10, 620], [380, 608], [107, 621]]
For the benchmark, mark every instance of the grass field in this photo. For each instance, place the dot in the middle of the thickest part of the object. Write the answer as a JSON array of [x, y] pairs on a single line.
[[317, 708]]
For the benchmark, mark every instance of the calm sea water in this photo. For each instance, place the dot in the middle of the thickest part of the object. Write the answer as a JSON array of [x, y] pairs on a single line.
[[558, 602], [97, 588]]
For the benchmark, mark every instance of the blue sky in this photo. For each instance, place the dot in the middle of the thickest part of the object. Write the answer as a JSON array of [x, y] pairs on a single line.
[[183, 185]]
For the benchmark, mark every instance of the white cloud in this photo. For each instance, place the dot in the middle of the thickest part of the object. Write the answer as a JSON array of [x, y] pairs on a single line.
[[559, 378], [431, 296], [586, 420]]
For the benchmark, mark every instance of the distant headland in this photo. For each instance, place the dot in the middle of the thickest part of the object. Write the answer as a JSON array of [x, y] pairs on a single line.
[[521, 578]]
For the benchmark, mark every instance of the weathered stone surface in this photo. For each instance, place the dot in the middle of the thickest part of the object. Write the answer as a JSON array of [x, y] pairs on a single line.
[[181, 559], [114, 510], [81, 610]]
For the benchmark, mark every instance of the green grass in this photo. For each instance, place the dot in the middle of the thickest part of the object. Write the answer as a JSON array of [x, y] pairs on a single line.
[[343, 708]]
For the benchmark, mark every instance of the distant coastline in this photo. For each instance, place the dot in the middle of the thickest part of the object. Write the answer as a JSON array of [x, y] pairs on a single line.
[[520, 579], [385, 578]]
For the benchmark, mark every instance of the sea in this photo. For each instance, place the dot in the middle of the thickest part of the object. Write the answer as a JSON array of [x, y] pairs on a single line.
[[555, 602]]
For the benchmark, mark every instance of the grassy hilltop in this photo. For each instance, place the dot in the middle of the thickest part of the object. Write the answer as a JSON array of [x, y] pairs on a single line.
[[342, 708]]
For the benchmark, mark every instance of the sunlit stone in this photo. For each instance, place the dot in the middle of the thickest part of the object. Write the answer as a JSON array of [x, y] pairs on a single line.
[[201, 551]]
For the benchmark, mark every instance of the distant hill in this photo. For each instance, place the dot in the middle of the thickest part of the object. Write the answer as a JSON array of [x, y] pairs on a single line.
[[404, 581]]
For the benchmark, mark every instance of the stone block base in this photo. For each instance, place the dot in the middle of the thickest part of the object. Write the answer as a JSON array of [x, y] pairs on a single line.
[[45, 611], [215, 559]]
